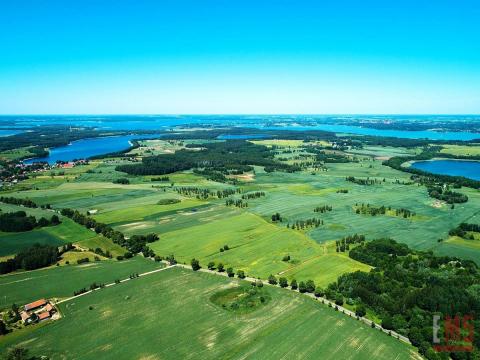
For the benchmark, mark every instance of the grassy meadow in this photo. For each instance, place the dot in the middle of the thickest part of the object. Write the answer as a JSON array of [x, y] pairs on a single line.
[[134, 320], [61, 281]]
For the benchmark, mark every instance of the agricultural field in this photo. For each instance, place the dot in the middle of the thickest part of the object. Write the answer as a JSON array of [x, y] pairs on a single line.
[[288, 324], [68, 231], [383, 152], [60, 282], [461, 150], [257, 247]]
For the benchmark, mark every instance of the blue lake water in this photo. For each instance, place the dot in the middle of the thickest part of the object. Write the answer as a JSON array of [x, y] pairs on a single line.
[[85, 148], [357, 130], [468, 169], [4, 133], [159, 122]]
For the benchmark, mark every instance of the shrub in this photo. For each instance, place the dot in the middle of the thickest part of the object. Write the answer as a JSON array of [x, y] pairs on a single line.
[[272, 280]]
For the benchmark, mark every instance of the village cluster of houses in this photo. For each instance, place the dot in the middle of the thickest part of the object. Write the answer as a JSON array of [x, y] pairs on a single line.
[[37, 311], [10, 178]]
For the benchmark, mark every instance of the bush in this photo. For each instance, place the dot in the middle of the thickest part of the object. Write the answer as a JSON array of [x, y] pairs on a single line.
[[220, 267], [195, 264], [168, 201], [123, 181], [272, 280], [119, 257], [360, 310], [283, 282], [230, 272], [241, 274], [293, 284]]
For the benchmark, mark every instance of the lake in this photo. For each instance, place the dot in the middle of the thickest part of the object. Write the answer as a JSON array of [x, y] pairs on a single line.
[[86, 148], [158, 122], [465, 168], [4, 132], [404, 134]]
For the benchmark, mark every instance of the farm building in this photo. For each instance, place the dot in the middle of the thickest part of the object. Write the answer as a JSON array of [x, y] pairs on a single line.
[[35, 305], [37, 311]]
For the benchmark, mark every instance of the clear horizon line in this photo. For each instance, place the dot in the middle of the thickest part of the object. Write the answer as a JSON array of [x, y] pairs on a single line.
[[241, 114]]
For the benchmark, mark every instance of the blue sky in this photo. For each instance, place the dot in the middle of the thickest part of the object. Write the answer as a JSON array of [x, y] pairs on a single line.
[[206, 56]]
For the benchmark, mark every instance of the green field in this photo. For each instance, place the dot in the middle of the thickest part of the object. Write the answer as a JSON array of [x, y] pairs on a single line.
[[67, 231], [462, 150], [257, 247], [169, 315], [62, 281]]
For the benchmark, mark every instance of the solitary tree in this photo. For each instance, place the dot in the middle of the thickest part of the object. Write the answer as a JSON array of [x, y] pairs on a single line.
[[272, 280], [230, 272], [302, 287], [310, 286], [211, 265], [220, 267], [195, 264], [293, 284], [241, 274], [283, 282]]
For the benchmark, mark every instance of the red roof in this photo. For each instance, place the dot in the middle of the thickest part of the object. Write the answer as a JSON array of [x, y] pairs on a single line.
[[43, 315], [35, 304], [49, 307]]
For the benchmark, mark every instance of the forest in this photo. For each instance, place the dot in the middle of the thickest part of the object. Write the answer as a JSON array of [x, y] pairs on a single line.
[[224, 158], [406, 288], [18, 221], [34, 257]]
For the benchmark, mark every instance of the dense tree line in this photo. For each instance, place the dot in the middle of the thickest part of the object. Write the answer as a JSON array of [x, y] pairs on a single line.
[[305, 224], [18, 201], [32, 258], [253, 195], [406, 288], [463, 229], [365, 182], [367, 209], [204, 193], [344, 244], [134, 244], [18, 221], [323, 209], [160, 179], [236, 202]]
